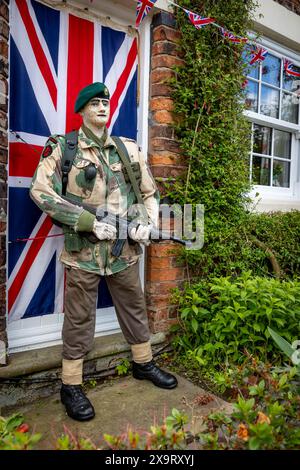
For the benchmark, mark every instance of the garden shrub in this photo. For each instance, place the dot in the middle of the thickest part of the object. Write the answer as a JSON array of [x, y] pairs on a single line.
[[224, 317]]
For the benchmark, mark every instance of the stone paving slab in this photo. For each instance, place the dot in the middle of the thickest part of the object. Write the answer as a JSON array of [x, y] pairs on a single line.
[[119, 403]]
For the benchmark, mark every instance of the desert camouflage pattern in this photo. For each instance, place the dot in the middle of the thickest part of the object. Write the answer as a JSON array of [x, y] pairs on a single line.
[[110, 189]]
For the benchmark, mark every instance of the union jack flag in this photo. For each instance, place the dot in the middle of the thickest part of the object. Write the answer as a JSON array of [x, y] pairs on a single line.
[[54, 54], [197, 20], [258, 55], [143, 7], [231, 37], [289, 68]]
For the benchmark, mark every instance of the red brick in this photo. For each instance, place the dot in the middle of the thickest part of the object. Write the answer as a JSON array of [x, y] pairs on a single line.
[[2, 294], [161, 76], [158, 89], [159, 315], [4, 12], [2, 275], [162, 287], [165, 158], [3, 172], [161, 131], [4, 29], [3, 139], [167, 61], [162, 326], [162, 33], [163, 117], [157, 104], [166, 172], [3, 155], [159, 263], [3, 86], [3, 48], [163, 249], [2, 226], [165, 275], [165, 47], [3, 120], [163, 144]]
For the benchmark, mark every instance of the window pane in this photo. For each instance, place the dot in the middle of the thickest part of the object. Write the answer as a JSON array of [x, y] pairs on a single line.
[[261, 170], [281, 174], [271, 70], [251, 70], [289, 108], [269, 101], [252, 96], [262, 139], [282, 144], [291, 83]]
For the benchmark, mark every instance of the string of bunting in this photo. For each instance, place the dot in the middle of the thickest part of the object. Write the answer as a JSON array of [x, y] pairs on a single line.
[[257, 53]]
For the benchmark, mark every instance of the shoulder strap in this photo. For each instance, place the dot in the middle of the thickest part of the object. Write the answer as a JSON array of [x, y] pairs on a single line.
[[68, 157], [123, 153]]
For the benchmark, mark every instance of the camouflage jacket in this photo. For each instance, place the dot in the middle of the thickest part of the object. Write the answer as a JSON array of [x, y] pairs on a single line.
[[108, 189]]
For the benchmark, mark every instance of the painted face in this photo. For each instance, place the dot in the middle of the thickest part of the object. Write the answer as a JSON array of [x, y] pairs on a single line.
[[96, 112]]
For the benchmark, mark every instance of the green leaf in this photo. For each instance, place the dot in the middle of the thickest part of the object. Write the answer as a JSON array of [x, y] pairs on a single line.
[[194, 324], [282, 343], [254, 443]]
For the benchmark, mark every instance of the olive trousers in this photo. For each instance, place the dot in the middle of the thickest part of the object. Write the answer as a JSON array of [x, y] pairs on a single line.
[[80, 316]]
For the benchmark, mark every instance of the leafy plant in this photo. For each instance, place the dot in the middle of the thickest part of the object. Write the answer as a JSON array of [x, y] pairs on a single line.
[[224, 317], [14, 434], [287, 348], [215, 140], [169, 435], [268, 420], [123, 368]]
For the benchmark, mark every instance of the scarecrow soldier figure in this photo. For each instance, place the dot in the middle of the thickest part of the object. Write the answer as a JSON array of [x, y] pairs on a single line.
[[99, 177]]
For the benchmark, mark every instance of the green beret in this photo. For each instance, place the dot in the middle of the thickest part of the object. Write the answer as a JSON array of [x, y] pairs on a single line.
[[87, 93]]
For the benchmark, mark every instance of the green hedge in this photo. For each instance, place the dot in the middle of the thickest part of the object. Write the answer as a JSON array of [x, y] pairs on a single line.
[[235, 249], [224, 317]]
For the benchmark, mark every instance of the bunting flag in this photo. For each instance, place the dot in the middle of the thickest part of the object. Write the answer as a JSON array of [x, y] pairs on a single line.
[[143, 7], [231, 37], [258, 55], [289, 68], [197, 20]]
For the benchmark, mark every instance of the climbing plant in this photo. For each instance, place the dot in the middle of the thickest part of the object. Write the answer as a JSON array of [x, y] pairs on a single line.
[[215, 138]]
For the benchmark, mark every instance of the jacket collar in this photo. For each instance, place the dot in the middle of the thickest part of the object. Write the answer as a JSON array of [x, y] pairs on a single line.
[[84, 142]]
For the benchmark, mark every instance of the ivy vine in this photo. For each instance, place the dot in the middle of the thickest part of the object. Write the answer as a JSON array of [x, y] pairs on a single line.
[[215, 138]]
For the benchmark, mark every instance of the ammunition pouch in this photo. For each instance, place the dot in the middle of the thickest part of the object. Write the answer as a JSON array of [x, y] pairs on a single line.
[[136, 170]]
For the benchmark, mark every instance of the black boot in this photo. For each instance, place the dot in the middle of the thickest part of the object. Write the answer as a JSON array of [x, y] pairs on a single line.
[[149, 371], [78, 406]]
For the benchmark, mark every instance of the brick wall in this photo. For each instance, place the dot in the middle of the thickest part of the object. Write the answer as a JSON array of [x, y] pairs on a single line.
[[4, 29], [293, 5], [162, 271]]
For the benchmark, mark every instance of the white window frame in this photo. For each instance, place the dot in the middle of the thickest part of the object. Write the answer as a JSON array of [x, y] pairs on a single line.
[[265, 194], [45, 330]]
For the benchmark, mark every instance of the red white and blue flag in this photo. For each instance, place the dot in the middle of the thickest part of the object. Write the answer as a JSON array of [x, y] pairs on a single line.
[[289, 68], [53, 54], [258, 55], [232, 37], [143, 7], [197, 20]]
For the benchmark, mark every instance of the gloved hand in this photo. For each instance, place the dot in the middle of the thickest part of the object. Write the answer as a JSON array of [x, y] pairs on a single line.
[[104, 231], [141, 234]]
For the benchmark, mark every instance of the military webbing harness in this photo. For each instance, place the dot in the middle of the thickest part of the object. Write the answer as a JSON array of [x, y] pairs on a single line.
[[70, 152]]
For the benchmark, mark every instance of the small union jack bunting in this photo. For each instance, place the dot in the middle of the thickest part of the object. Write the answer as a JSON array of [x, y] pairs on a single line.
[[143, 7], [231, 37], [258, 55], [289, 68], [197, 20]]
